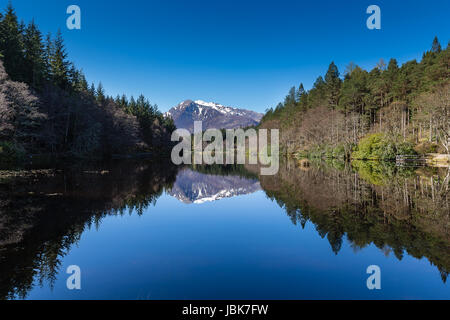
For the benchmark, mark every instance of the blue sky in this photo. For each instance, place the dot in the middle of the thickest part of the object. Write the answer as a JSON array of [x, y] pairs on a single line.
[[239, 53]]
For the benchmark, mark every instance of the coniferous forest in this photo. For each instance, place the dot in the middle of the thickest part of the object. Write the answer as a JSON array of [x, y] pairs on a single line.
[[48, 107], [378, 114]]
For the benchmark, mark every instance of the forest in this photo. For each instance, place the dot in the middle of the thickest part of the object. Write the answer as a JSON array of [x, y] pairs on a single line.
[[379, 114], [47, 106]]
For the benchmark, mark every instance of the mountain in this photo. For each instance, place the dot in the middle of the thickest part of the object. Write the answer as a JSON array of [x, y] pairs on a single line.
[[196, 187], [213, 116]]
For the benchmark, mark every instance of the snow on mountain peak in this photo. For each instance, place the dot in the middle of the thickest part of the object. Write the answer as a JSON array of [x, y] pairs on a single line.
[[217, 107], [213, 115]]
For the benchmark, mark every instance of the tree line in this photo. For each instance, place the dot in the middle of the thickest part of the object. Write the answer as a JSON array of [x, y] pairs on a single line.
[[47, 105], [405, 109]]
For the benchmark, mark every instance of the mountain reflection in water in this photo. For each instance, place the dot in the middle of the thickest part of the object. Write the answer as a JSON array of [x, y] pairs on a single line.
[[43, 214], [196, 187]]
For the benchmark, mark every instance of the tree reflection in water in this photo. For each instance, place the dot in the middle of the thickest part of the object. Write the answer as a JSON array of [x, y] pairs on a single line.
[[397, 209], [44, 213]]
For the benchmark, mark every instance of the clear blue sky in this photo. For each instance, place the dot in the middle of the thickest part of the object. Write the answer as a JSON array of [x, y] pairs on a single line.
[[240, 53]]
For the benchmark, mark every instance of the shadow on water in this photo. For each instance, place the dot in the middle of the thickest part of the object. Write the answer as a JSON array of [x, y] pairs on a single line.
[[43, 213]]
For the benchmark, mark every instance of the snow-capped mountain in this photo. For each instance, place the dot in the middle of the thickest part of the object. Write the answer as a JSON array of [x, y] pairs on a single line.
[[213, 116], [196, 187]]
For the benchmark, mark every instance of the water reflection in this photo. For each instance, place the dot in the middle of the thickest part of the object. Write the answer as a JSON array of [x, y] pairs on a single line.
[[400, 210], [211, 184], [44, 213]]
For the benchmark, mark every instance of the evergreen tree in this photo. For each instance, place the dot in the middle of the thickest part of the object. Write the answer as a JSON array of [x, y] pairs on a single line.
[[436, 47], [355, 92], [11, 45], [34, 56], [59, 64], [48, 53], [100, 94], [333, 83], [317, 95], [77, 79], [132, 106], [92, 90], [300, 93], [124, 102], [82, 84], [390, 77], [319, 83], [291, 97]]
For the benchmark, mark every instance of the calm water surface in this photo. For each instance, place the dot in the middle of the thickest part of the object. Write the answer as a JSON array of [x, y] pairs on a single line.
[[139, 230]]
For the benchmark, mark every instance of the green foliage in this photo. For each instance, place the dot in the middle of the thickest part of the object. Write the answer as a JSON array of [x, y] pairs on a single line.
[[379, 147], [380, 173], [338, 152], [323, 152]]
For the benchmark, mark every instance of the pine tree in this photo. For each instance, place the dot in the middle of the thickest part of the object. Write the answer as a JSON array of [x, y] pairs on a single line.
[[77, 79], [132, 105], [100, 94], [11, 44], [59, 64], [302, 97], [300, 93], [48, 53], [34, 56], [83, 84], [124, 102], [354, 92], [436, 47], [333, 83], [390, 76], [92, 90], [291, 97]]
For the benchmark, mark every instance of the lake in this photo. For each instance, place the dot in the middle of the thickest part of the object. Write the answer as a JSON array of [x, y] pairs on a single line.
[[146, 230]]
